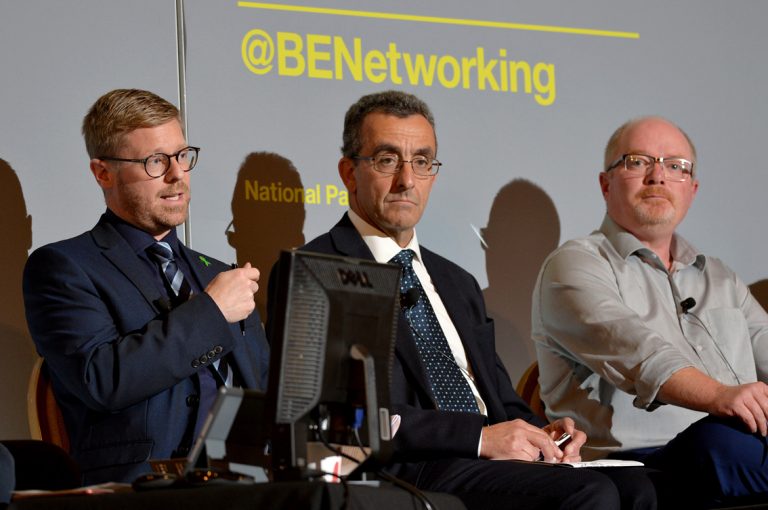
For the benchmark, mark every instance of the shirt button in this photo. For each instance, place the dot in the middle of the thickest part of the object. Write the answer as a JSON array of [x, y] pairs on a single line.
[[699, 348]]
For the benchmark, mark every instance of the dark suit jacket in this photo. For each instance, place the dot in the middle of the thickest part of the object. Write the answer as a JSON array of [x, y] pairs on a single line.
[[425, 432], [120, 362]]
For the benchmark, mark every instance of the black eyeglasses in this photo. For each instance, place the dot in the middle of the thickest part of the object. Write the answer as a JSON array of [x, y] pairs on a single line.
[[390, 163], [157, 165]]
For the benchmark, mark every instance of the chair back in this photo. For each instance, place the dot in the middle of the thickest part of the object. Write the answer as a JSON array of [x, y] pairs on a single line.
[[528, 388], [45, 419]]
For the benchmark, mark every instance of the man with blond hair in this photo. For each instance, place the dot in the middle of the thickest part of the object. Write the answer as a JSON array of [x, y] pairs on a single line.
[[138, 330]]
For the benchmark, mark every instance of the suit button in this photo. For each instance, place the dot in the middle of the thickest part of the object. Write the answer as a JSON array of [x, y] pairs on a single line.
[[193, 401], [212, 354], [195, 364], [203, 359], [218, 349]]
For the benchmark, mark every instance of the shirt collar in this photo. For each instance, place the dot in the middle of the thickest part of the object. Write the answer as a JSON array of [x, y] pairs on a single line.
[[381, 245], [139, 239], [626, 244]]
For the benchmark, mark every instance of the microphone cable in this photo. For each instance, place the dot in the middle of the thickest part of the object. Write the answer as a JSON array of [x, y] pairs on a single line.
[[410, 302], [402, 484], [415, 492], [686, 305]]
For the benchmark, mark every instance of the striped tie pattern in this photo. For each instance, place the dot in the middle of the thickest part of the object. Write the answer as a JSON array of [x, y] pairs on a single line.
[[162, 253]]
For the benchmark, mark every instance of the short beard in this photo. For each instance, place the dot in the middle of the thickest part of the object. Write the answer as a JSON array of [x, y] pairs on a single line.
[[651, 216], [652, 213]]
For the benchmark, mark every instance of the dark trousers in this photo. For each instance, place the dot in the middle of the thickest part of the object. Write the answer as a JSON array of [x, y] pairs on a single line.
[[483, 484], [7, 477], [714, 461]]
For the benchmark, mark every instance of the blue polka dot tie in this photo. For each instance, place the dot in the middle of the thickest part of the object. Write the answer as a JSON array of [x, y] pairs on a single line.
[[449, 386]]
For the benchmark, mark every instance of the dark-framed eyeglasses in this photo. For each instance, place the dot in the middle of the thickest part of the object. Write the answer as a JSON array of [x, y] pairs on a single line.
[[390, 163], [157, 165], [640, 165]]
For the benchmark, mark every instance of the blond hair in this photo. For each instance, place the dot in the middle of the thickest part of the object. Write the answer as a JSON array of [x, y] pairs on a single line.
[[119, 112]]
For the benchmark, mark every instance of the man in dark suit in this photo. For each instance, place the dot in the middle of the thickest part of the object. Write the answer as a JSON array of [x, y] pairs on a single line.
[[463, 429], [139, 335]]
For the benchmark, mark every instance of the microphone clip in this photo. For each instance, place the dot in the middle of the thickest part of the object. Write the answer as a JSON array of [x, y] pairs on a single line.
[[409, 298], [687, 304]]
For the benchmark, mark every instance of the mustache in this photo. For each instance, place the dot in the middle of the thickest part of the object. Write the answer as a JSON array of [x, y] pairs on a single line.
[[655, 191], [173, 190]]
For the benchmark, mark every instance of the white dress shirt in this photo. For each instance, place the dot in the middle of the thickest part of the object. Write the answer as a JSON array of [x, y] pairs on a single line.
[[384, 248]]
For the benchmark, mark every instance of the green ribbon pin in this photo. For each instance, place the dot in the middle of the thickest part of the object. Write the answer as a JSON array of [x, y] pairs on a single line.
[[205, 261]]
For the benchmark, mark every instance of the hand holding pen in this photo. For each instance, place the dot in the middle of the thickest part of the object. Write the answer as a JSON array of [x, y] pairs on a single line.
[[233, 292]]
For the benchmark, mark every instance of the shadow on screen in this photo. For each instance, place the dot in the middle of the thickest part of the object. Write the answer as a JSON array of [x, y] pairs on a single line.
[[523, 228], [267, 213], [19, 352]]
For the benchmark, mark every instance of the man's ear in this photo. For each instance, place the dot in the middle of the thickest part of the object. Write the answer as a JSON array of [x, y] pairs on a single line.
[[605, 183], [104, 178], [347, 174]]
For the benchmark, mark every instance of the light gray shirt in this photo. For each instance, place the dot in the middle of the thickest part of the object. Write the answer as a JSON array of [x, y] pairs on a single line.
[[609, 330]]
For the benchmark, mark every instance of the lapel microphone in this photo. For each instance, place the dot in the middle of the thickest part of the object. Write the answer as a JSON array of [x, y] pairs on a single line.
[[409, 298], [163, 304], [687, 303]]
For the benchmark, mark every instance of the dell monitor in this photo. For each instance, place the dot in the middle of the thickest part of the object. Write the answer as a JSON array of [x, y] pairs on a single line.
[[332, 335]]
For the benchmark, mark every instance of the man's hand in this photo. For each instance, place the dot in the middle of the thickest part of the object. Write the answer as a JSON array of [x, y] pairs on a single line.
[[572, 450], [691, 388], [233, 291], [748, 402], [519, 440]]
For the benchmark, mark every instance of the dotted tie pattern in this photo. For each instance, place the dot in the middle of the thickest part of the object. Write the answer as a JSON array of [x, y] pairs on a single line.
[[449, 386]]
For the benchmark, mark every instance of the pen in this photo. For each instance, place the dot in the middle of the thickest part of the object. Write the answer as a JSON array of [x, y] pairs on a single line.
[[242, 322], [559, 442]]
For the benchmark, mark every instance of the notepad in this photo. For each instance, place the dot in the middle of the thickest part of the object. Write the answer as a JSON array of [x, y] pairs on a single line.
[[600, 463]]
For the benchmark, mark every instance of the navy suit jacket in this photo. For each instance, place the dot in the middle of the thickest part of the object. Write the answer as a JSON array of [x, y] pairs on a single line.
[[122, 363], [426, 433]]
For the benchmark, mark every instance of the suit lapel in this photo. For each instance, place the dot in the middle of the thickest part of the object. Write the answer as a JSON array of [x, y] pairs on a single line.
[[451, 294], [202, 269], [347, 240], [121, 255]]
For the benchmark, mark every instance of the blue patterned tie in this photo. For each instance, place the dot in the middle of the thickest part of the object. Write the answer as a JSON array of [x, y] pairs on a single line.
[[449, 386], [162, 253]]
